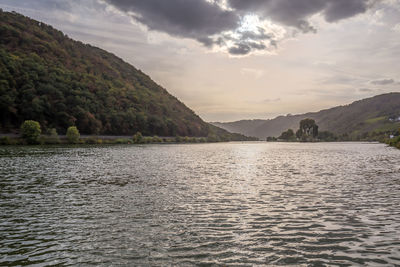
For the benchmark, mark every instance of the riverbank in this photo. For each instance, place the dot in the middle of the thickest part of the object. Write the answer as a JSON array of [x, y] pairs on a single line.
[[14, 139], [394, 142]]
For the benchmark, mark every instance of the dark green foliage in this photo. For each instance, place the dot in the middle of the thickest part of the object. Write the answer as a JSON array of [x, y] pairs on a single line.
[[30, 131], [122, 141], [50, 78], [307, 132], [287, 135], [328, 136], [157, 139], [137, 138], [147, 140], [308, 128], [52, 137], [394, 139], [5, 140], [93, 140], [73, 134]]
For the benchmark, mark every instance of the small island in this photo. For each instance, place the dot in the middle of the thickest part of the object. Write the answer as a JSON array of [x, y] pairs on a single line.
[[308, 132]]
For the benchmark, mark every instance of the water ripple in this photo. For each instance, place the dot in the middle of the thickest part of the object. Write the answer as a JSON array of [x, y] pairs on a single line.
[[236, 204]]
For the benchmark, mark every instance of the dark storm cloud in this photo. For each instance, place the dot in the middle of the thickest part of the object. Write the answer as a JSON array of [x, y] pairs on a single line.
[[383, 82], [206, 21], [247, 41], [240, 49], [342, 9], [295, 13], [244, 48], [195, 19]]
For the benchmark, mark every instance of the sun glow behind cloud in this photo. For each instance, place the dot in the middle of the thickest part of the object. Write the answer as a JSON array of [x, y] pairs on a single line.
[[249, 23], [252, 36]]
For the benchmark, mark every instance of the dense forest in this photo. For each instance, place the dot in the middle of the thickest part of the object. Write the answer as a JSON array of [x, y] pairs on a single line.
[[47, 77]]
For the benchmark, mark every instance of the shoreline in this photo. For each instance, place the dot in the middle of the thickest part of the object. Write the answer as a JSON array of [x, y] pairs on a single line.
[[45, 140]]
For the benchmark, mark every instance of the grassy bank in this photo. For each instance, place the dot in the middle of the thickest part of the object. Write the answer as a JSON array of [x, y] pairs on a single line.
[[48, 140], [394, 142], [30, 133]]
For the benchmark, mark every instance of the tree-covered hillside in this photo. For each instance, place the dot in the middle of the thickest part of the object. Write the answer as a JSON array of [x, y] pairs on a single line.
[[371, 115], [47, 77]]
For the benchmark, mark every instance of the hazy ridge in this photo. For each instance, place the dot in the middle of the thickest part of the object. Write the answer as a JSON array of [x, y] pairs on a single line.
[[370, 114]]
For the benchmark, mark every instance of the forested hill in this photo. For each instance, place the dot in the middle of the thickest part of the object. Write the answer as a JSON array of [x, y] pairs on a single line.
[[48, 77], [376, 114]]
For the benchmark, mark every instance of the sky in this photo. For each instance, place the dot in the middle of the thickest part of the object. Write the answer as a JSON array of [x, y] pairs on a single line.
[[243, 59]]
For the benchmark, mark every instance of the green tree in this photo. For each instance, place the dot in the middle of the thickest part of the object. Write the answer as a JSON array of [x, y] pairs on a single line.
[[157, 139], [52, 136], [299, 134], [308, 128], [73, 134], [213, 138], [30, 131], [287, 135], [137, 138], [326, 136]]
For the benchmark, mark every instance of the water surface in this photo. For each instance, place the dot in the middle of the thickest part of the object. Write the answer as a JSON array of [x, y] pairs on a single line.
[[239, 204]]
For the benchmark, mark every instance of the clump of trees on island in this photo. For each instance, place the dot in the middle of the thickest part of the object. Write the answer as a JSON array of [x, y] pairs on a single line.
[[308, 132]]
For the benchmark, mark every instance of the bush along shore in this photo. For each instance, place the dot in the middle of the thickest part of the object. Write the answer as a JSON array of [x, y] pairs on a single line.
[[31, 134], [394, 140]]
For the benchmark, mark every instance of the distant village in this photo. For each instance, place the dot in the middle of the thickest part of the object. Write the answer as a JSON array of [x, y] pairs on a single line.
[[394, 119]]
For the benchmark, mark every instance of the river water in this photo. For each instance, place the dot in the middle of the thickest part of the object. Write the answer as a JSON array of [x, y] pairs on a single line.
[[239, 204]]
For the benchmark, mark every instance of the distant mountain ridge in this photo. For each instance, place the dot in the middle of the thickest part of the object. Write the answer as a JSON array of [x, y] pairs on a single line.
[[377, 113], [59, 82]]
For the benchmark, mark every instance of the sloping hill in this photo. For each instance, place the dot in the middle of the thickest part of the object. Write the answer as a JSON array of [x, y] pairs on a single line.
[[367, 115], [244, 126], [48, 77]]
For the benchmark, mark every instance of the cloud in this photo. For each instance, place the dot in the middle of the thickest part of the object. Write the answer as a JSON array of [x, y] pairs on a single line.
[[365, 90], [239, 27], [196, 19], [396, 28], [269, 100], [341, 9], [383, 82], [339, 79], [296, 13]]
